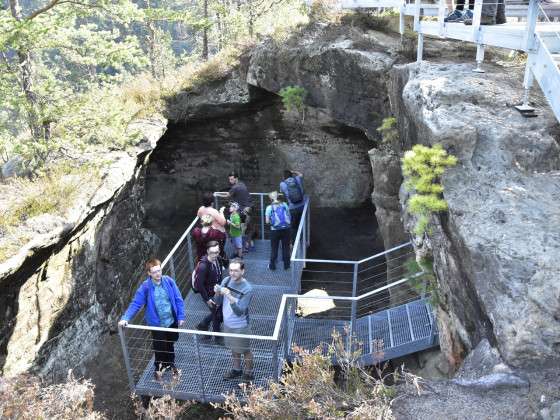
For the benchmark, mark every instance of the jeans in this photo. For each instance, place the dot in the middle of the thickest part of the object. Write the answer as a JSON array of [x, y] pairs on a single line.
[[277, 236], [163, 343], [295, 216], [213, 317]]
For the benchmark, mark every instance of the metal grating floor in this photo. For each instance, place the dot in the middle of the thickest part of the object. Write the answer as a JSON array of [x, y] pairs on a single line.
[[395, 328]]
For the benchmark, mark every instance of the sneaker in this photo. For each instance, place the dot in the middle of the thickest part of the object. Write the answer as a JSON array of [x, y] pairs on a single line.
[[247, 377], [454, 16], [271, 267], [468, 14], [232, 374]]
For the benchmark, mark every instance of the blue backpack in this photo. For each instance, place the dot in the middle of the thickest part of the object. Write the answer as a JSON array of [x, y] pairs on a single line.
[[295, 192], [279, 216]]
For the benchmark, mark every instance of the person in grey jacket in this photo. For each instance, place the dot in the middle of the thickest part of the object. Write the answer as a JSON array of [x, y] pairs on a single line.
[[234, 294]]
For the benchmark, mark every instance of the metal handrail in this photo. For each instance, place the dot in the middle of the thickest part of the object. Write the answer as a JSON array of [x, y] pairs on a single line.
[[181, 239], [281, 310], [280, 316]]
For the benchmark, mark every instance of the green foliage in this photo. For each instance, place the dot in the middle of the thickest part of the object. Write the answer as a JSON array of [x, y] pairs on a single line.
[[388, 130], [293, 97], [425, 284], [423, 167]]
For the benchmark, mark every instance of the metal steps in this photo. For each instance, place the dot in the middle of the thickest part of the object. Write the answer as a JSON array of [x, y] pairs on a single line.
[[396, 331]]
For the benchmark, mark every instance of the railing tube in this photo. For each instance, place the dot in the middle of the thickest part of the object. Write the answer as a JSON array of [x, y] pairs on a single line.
[[127, 360], [262, 216], [190, 252], [172, 269]]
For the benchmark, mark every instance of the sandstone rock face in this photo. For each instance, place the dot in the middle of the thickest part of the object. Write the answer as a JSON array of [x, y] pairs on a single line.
[[344, 80], [68, 287], [496, 251], [210, 100], [259, 143]]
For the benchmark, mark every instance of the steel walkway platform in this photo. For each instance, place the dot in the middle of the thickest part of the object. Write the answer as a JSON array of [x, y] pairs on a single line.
[[405, 325]]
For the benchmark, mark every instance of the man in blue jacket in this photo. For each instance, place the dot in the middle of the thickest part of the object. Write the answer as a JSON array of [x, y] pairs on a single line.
[[164, 308]]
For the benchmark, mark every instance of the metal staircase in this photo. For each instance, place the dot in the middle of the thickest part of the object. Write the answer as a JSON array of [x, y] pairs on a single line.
[[395, 319]]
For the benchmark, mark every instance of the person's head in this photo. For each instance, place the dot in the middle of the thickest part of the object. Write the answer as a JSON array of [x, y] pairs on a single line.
[[153, 268], [207, 199], [212, 250], [206, 220], [233, 177], [233, 207], [236, 269], [287, 174], [273, 196]]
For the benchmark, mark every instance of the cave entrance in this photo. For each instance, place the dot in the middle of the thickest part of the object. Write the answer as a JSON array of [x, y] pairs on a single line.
[[260, 141]]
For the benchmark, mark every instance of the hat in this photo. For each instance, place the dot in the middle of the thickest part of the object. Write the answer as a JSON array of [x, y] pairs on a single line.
[[273, 196], [207, 219]]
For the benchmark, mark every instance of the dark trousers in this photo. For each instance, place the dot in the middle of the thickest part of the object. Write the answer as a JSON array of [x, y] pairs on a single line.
[[295, 216], [213, 317], [163, 344], [460, 5], [277, 236]]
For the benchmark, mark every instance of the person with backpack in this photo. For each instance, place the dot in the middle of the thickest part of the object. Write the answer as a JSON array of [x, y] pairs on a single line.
[[207, 274], [277, 215], [292, 188], [234, 296]]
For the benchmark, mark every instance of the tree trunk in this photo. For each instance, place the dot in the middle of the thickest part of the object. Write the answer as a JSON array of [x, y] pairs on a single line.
[[26, 76], [205, 32], [152, 48]]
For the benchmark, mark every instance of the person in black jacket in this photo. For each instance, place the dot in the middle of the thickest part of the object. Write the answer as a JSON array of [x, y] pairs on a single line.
[[207, 274]]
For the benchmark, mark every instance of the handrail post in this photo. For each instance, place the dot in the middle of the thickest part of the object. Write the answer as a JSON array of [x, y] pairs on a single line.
[[402, 13], [275, 371], [417, 16], [127, 360], [354, 302], [286, 331], [441, 17], [190, 252], [477, 12], [200, 376], [532, 14], [262, 216], [216, 204]]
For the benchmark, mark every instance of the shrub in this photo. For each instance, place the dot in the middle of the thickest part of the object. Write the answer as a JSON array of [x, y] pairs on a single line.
[[422, 168], [425, 283], [311, 388], [293, 98], [26, 397], [388, 130]]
